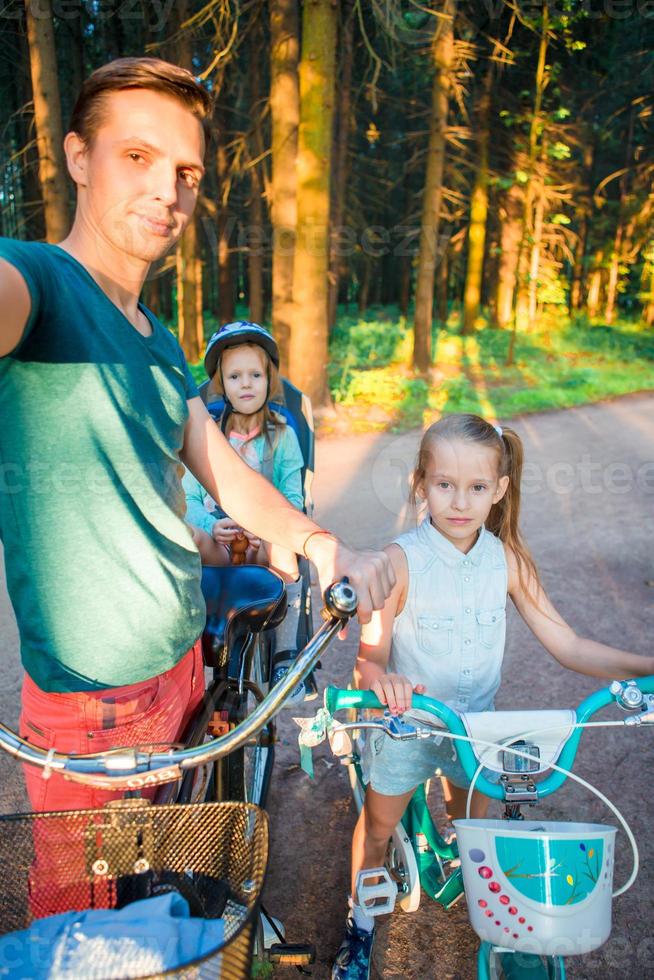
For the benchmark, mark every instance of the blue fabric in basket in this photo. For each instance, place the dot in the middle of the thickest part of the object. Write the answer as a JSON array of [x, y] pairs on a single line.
[[141, 939]]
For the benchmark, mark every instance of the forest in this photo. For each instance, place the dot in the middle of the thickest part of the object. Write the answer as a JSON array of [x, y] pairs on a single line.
[[385, 178]]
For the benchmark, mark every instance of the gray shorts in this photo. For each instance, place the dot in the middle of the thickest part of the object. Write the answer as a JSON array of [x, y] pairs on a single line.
[[393, 768]]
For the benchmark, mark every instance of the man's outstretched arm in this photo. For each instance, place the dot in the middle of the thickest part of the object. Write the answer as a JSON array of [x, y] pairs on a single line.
[[15, 304], [253, 502]]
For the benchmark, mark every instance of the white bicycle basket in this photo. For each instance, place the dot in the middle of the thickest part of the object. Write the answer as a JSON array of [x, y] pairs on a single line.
[[538, 887]]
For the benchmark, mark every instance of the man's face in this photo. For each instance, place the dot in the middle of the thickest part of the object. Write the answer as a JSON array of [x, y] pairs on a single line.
[[140, 177]]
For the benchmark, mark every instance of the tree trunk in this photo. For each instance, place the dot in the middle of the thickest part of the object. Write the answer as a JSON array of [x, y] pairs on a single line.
[[152, 295], [618, 243], [166, 294], [405, 284], [478, 213], [255, 249], [308, 348], [285, 117], [363, 294], [255, 210], [510, 235], [189, 285], [75, 25], [23, 215], [224, 225], [614, 273], [584, 212], [578, 267], [443, 280], [189, 270], [534, 264], [340, 159], [47, 116], [523, 299], [595, 285], [443, 53], [647, 291]]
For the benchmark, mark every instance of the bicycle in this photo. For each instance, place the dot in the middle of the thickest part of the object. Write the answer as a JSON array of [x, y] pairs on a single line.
[[526, 911], [212, 853], [244, 605]]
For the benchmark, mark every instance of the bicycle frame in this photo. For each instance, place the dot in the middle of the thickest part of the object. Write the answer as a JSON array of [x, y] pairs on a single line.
[[429, 849]]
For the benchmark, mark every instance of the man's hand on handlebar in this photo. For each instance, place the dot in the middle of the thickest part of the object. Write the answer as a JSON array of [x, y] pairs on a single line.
[[370, 573]]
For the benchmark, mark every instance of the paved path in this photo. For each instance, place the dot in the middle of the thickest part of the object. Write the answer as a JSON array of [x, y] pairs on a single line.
[[588, 504]]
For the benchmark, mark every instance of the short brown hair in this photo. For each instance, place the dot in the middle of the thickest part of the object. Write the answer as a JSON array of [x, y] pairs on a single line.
[[125, 73]]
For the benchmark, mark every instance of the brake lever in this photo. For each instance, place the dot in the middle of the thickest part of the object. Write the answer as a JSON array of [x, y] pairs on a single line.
[[398, 728], [392, 725]]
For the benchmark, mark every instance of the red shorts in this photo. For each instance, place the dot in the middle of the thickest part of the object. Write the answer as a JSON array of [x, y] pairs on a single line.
[[156, 710]]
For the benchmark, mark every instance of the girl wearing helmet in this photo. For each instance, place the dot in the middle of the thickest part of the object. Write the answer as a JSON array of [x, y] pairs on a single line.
[[242, 360]]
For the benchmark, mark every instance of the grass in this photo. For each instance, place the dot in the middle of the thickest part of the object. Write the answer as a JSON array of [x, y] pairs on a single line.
[[262, 970], [560, 364]]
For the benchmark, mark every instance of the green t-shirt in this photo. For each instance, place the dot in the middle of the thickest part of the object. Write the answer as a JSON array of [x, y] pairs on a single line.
[[102, 573]]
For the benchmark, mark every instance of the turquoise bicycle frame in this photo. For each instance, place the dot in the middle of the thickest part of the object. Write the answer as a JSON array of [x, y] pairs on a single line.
[[419, 826]]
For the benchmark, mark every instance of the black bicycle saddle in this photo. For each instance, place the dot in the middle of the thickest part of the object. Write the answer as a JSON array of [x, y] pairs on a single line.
[[240, 599]]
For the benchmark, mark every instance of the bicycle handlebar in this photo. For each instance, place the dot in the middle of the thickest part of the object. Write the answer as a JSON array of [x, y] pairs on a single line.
[[337, 700], [134, 768]]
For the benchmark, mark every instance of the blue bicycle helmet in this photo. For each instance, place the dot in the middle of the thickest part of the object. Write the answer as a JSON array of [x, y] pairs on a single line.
[[233, 334]]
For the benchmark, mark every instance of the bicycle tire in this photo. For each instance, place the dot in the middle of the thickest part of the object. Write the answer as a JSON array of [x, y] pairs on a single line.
[[400, 858], [501, 964], [247, 771]]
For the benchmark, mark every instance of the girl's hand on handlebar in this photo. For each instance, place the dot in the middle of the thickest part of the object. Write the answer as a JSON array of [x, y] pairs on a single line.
[[396, 690]]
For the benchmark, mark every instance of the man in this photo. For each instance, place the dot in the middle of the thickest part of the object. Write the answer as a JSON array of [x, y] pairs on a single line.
[[98, 407]]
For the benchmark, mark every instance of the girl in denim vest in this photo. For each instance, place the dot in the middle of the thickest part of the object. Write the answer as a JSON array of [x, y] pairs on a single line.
[[442, 632]]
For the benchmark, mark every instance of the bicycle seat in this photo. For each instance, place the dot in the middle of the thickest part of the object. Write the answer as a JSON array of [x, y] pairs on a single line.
[[240, 599]]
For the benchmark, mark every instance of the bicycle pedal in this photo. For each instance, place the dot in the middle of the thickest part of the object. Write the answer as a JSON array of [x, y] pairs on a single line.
[[292, 954], [376, 897]]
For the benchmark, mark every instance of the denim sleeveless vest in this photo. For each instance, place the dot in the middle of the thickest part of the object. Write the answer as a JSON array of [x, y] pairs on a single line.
[[450, 634]]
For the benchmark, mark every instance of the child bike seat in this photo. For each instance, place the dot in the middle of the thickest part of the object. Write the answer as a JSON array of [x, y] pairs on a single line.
[[240, 599]]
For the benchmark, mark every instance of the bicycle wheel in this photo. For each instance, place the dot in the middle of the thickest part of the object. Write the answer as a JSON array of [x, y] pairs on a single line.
[[248, 770], [400, 858], [502, 964], [401, 863]]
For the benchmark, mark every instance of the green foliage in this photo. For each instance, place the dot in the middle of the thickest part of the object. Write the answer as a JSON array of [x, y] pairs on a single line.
[[262, 970], [198, 372], [554, 292], [561, 364], [357, 343], [559, 151]]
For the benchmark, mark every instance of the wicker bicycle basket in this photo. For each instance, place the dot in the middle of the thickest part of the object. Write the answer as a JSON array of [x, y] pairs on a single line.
[[213, 854]]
